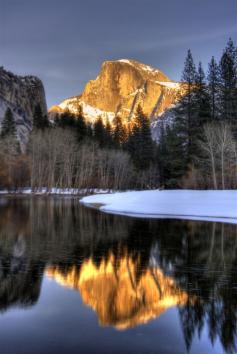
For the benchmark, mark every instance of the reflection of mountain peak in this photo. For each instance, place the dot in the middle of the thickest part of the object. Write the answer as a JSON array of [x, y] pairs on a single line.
[[200, 258], [118, 298]]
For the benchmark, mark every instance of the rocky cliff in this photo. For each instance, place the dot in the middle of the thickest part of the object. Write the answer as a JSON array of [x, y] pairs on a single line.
[[120, 87], [21, 94]]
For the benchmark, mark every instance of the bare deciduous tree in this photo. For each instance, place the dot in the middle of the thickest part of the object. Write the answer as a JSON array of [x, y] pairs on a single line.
[[219, 155], [57, 160]]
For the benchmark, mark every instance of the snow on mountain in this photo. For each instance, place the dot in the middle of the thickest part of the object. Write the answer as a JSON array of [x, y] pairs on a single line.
[[92, 113], [125, 61], [119, 88], [142, 66], [171, 84]]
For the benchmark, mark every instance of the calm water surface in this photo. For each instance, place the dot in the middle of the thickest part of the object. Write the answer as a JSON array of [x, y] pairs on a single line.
[[74, 280]]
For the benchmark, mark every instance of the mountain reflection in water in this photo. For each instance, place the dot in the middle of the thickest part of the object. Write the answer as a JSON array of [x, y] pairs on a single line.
[[116, 294], [129, 271]]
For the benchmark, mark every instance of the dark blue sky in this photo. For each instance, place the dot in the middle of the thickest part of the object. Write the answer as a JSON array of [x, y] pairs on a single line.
[[65, 42]]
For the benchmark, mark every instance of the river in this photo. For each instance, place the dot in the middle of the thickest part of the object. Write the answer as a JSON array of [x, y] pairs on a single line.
[[75, 280]]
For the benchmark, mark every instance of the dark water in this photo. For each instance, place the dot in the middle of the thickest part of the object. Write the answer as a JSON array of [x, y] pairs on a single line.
[[74, 280]]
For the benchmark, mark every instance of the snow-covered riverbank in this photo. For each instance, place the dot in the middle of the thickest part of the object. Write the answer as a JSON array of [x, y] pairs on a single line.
[[53, 191], [175, 204]]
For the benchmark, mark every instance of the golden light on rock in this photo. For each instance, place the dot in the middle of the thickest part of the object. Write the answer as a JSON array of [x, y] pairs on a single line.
[[119, 298], [120, 87]]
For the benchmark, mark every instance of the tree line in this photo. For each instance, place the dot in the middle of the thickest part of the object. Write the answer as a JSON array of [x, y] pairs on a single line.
[[71, 153], [197, 149]]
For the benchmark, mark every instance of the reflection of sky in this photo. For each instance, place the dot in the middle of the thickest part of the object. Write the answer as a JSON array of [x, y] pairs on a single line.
[[65, 42], [60, 323]]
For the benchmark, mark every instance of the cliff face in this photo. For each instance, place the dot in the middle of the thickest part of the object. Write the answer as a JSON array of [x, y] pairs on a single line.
[[21, 94], [120, 87]]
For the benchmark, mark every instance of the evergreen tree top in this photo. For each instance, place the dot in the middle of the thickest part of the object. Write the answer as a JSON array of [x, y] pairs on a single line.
[[140, 117], [40, 121], [230, 49], [200, 78], [213, 70], [189, 72]]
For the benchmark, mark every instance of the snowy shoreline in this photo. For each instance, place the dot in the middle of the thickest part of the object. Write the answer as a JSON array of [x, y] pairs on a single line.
[[53, 191], [219, 206], [209, 205]]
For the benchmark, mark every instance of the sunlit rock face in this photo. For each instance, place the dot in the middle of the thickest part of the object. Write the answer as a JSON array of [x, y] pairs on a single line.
[[119, 297], [21, 94], [120, 87]]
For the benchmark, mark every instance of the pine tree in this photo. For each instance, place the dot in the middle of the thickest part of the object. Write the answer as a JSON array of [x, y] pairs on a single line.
[[140, 144], [213, 78], [134, 139], [40, 121], [185, 120], [9, 133], [8, 125], [202, 114], [67, 120], [89, 131], [183, 130], [228, 85], [108, 135], [130, 142], [147, 145], [189, 77], [119, 135], [202, 101], [80, 125], [161, 152], [99, 132], [172, 157]]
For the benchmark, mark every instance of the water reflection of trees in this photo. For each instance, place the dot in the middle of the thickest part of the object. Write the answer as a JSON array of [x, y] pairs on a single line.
[[201, 257], [41, 231]]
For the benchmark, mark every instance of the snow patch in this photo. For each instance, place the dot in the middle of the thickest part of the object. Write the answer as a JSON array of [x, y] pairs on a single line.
[[90, 113], [71, 104], [140, 65], [174, 204], [149, 68], [93, 113], [169, 84], [125, 61], [55, 191]]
